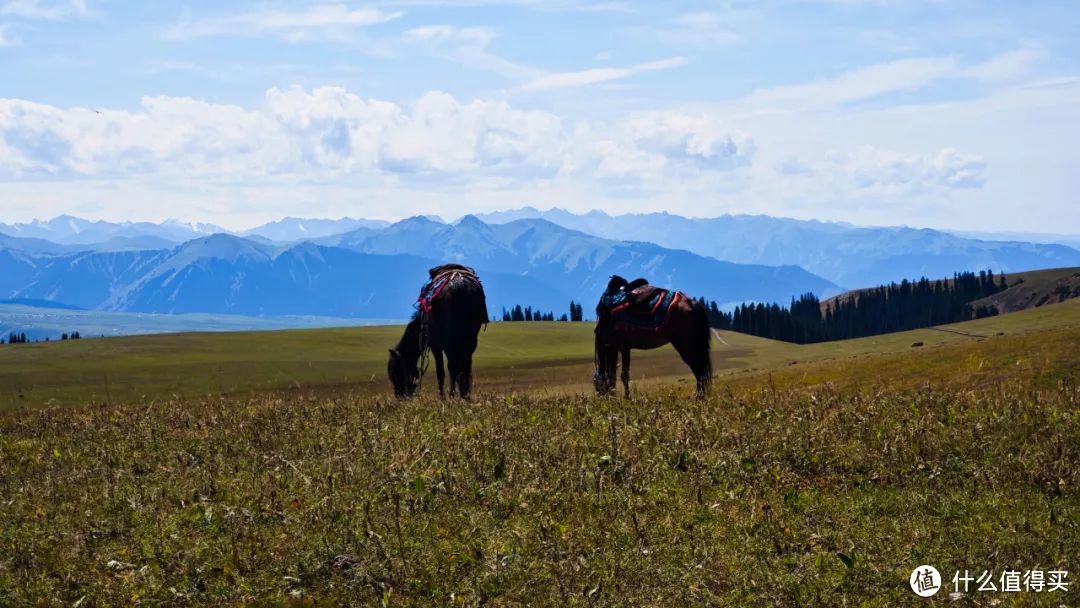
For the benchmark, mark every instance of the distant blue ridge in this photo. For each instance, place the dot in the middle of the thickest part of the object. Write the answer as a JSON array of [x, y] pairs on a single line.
[[38, 303]]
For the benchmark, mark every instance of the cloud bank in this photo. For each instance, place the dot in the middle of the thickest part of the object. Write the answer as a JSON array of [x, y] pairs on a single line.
[[330, 130]]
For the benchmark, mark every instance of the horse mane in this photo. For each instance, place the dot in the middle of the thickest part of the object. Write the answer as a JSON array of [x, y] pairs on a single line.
[[412, 344], [436, 271], [615, 284]]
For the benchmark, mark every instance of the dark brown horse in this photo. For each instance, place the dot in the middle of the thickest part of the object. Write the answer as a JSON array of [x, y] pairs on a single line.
[[450, 311], [684, 323]]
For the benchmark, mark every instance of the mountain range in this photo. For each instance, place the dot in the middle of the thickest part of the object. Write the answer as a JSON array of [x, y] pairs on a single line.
[[371, 271], [844, 254], [70, 230]]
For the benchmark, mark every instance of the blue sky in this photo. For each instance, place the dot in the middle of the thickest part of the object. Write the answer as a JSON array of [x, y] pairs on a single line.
[[933, 113]]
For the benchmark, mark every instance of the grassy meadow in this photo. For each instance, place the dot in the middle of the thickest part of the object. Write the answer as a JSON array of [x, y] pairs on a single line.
[[274, 469], [539, 357]]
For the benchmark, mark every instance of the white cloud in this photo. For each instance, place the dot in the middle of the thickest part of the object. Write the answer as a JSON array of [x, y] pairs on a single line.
[[1004, 67], [889, 172], [51, 11], [855, 85], [652, 148], [318, 21], [540, 5], [325, 131], [467, 46], [476, 36], [328, 132], [704, 30], [698, 140], [597, 75], [899, 76]]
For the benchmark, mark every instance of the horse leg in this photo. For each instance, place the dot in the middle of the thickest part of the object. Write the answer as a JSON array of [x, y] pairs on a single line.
[[453, 359], [612, 370], [626, 371], [468, 347], [466, 375], [690, 357], [440, 373]]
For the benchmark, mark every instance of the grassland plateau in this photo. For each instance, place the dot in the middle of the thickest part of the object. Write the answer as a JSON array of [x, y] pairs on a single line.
[[272, 468]]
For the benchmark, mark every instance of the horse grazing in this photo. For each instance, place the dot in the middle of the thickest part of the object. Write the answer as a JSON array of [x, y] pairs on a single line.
[[637, 315], [450, 310]]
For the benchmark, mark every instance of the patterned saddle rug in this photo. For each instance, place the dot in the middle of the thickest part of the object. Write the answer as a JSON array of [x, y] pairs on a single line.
[[441, 276], [645, 308]]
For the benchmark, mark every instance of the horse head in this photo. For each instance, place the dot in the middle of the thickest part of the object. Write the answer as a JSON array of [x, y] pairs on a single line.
[[404, 364], [405, 376]]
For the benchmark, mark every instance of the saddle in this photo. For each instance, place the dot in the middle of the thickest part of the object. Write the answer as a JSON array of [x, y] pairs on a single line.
[[446, 268], [440, 277], [638, 306]]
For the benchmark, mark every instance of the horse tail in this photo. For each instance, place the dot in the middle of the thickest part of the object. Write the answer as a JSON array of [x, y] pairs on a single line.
[[481, 308], [702, 346]]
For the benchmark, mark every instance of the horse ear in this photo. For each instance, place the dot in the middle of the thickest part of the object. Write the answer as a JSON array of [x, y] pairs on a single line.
[[394, 354]]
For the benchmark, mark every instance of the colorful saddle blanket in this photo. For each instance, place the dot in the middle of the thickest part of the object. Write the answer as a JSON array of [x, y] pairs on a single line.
[[441, 276], [646, 308]]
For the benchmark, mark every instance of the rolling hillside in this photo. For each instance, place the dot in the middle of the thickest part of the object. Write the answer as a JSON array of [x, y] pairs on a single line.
[[1025, 290], [1033, 289]]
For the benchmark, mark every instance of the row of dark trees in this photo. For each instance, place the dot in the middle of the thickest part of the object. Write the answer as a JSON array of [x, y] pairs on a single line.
[[868, 312], [20, 338], [518, 313], [878, 310]]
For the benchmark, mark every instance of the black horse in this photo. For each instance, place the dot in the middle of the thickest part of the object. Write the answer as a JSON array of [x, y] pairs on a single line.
[[450, 311], [685, 325]]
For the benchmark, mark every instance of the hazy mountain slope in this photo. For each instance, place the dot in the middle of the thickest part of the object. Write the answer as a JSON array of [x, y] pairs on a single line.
[[1069, 240], [580, 263], [225, 274], [844, 254], [34, 246], [16, 270], [67, 229], [291, 229], [377, 273], [88, 279], [133, 243], [40, 304]]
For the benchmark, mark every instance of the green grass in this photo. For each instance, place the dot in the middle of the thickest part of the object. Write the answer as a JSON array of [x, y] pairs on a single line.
[[814, 475], [747, 499], [551, 357], [144, 368]]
